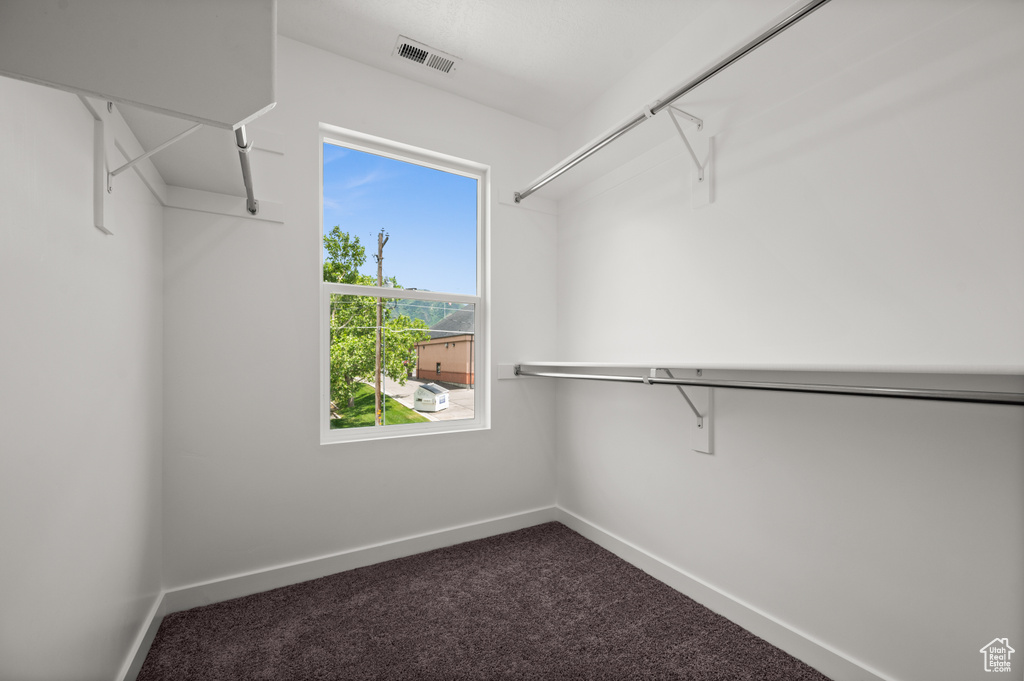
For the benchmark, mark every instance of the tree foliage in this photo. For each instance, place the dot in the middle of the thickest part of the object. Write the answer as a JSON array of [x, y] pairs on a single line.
[[345, 255], [354, 323]]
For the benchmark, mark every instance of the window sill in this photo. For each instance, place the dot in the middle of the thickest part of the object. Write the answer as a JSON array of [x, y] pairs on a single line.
[[369, 434]]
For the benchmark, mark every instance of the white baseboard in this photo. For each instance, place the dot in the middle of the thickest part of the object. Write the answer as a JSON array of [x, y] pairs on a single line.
[[144, 639], [225, 589], [263, 580], [825, 659]]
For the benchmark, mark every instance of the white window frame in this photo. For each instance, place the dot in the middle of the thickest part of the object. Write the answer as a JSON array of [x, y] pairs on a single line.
[[481, 420]]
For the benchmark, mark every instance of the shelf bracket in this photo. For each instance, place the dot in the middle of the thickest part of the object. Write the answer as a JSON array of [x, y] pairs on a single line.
[[700, 436], [702, 184], [103, 149], [117, 171]]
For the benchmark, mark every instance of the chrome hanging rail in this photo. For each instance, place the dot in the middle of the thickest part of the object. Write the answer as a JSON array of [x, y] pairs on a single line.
[[902, 393], [669, 98], [244, 146]]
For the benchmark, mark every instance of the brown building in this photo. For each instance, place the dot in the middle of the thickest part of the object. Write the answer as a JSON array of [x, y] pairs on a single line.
[[449, 355]]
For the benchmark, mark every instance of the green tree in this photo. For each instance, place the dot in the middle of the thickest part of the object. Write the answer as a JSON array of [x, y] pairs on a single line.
[[354, 320], [345, 255]]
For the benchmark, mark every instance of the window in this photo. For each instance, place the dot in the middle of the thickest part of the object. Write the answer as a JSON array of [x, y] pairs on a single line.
[[403, 300]]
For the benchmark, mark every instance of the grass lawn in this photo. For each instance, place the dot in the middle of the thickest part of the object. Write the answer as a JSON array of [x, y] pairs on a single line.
[[361, 415]]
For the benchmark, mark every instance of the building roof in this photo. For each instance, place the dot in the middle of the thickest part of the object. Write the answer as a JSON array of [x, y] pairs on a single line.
[[458, 323]]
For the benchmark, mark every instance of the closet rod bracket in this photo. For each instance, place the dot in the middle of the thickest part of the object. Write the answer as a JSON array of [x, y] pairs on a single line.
[[690, 117], [701, 187], [700, 438], [675, 114]]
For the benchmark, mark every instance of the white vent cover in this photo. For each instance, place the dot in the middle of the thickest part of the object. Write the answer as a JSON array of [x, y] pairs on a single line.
[[424, 55]]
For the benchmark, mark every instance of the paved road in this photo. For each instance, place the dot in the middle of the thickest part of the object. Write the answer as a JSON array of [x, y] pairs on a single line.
[[460, 400]]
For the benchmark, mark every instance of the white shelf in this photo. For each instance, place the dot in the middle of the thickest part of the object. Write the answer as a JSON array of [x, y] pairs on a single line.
[[207, 62], [979, 369]]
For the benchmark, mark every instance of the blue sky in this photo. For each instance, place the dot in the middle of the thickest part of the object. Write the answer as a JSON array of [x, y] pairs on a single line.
[[429, 214]]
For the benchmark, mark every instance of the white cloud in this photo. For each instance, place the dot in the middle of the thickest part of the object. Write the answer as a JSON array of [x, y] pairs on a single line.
[[368, 178]]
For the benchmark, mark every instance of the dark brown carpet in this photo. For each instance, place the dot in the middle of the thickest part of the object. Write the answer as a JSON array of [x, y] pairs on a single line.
[[539, 603]]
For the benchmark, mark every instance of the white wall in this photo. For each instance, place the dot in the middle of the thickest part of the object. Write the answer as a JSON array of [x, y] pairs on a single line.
[[247, 485], [868, 214], [80, 398]]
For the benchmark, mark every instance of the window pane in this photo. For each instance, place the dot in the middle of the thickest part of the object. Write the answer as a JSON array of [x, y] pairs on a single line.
[[427, 359], [429, 217]]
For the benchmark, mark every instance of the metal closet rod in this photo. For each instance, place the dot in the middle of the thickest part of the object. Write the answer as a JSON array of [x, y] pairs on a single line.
[[244, 147], [671, 97], [901, 393]]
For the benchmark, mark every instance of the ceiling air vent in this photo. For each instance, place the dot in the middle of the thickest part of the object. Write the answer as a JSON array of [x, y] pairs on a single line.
[[425, 55]]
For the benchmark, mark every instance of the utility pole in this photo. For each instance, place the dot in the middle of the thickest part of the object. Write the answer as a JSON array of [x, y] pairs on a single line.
[[382, 239]]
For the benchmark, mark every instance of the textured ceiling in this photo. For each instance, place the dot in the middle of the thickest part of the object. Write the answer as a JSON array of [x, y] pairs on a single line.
[[542, 60]]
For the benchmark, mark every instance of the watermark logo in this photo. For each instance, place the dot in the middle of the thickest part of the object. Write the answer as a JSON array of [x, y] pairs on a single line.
[[997, 655]]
